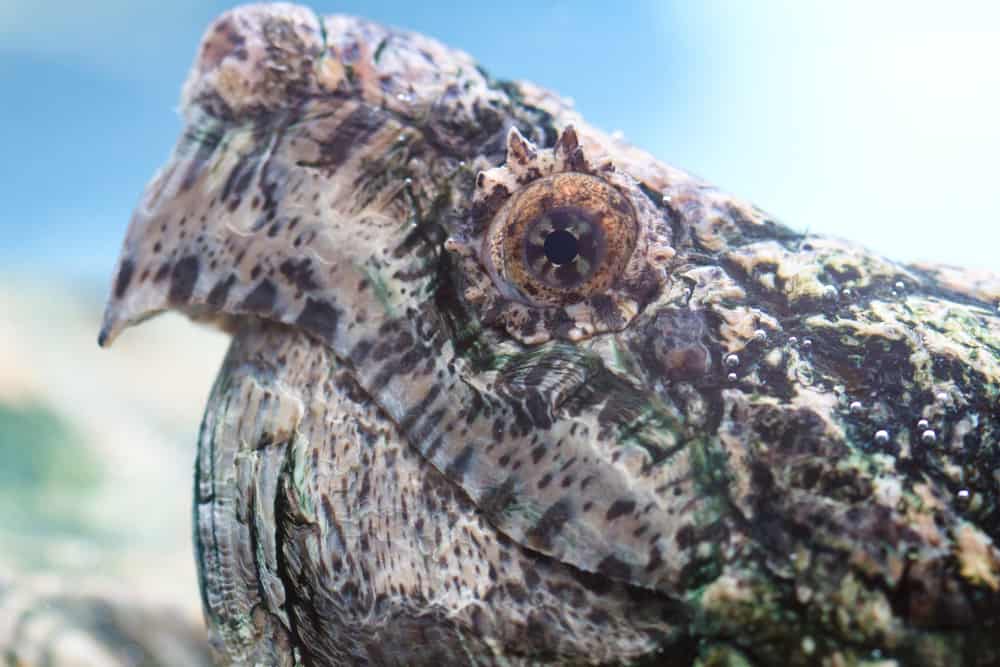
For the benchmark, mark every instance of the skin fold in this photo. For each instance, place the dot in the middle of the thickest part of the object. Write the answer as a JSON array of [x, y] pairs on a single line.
[[738, 445]]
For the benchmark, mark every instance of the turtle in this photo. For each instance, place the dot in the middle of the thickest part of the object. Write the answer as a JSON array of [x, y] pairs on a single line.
[[504, 389]]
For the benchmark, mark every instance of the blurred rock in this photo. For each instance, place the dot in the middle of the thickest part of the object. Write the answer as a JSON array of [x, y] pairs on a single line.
[[96, 456]]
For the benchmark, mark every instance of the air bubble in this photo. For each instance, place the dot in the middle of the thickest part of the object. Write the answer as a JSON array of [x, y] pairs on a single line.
[[760, 335], [846, 293], [829, 292], [856, 407], [923, 425], [732, 377], [881, 437], [807, 343], [928, 437], [963, 494], [900, 285], [732, 360], [793, 340]]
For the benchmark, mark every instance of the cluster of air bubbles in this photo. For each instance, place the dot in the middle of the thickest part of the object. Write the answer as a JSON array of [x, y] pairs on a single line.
[[404, 97], [732, 361], [898, 288], [928, 436], [882, 437]]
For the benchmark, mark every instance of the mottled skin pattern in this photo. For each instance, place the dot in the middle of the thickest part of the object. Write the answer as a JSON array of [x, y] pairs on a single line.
[[753, 447]]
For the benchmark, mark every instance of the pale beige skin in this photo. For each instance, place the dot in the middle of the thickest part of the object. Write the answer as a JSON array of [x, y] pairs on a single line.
[[717, 458]]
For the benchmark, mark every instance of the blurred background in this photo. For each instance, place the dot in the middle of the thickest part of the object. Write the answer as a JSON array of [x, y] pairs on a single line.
[[871, 121]]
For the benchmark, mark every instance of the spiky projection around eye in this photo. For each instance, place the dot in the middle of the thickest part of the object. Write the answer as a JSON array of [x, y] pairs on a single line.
[[628, 270]]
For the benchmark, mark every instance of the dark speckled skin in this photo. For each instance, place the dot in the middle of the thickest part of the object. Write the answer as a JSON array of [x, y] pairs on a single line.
[[752, 447]]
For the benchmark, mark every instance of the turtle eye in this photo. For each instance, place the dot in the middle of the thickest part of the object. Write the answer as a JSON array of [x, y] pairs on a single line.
[[562, 239]]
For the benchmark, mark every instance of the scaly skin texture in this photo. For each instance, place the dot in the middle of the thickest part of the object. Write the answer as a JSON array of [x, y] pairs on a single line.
[[753, 447]]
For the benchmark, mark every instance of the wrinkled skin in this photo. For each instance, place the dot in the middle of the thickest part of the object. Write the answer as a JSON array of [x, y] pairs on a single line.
[[718, 460]]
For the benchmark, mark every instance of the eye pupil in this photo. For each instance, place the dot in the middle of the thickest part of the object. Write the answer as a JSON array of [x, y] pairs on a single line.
[[561, 247]]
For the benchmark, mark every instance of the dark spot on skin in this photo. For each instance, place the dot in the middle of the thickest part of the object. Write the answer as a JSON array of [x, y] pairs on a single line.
[[415, 414], [550, 525], [497, 499], [124, 278], [261, 299], [620, 507], [182, 280], [456, 469], [299, 273], [655, 559], [162, 272], [350, 134], [206, 143], [538, 453], [217, 297], [539, 410], [614, 568], [319, 318]]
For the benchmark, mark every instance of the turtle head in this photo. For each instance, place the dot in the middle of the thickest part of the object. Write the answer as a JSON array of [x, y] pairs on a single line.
[[495, 273]]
